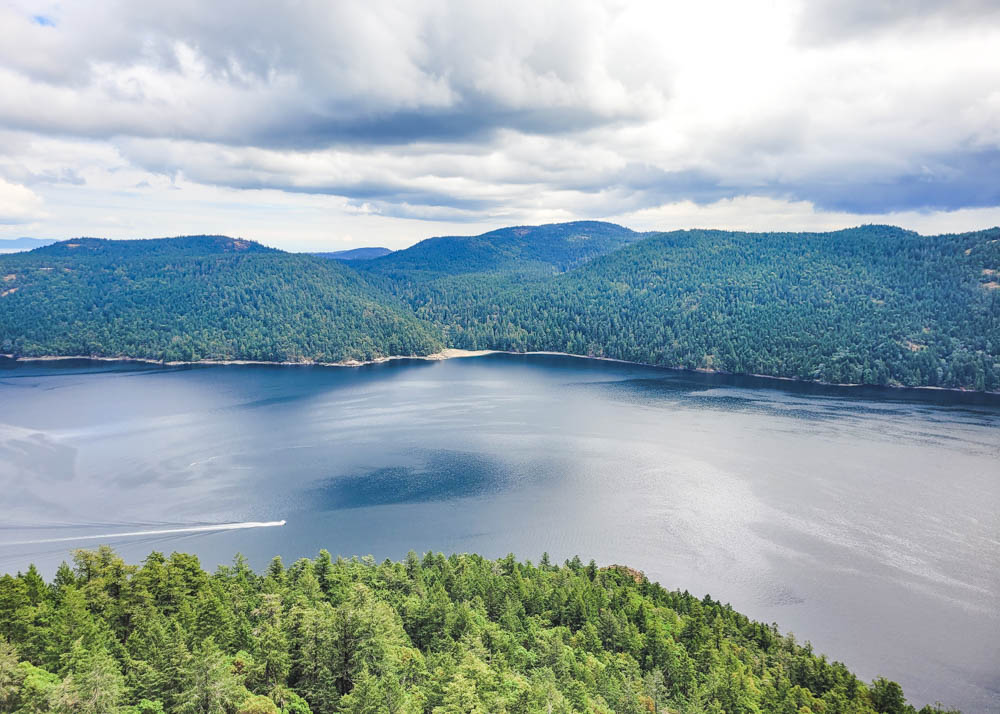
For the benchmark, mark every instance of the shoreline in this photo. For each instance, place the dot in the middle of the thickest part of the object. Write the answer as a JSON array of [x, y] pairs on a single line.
[[455, 353], [435, 357]]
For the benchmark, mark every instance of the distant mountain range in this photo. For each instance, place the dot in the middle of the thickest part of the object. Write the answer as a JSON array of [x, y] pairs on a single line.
[[872, 305], [13, 245], [355, 254]]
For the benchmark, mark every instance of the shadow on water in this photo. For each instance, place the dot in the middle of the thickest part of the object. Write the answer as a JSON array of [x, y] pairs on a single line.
[[861, 393], [444, 476], [804, 401], [669, 381], [77, 367], [666, 379]]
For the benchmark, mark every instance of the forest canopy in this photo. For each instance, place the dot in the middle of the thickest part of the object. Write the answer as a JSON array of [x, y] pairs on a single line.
[[434, 634]]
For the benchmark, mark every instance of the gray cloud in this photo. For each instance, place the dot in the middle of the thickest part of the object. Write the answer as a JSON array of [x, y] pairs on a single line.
[[827, 21], [255, 73], [456, 111], [947, 182]]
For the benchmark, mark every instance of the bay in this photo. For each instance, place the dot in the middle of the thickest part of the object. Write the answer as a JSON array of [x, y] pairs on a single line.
[[863, 520]]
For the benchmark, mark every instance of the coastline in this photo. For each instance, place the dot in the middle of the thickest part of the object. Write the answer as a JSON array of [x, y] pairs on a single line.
[[444, 354], [455, 353]]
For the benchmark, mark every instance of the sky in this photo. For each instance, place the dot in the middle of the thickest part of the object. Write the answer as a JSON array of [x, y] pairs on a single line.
[[317, 125]]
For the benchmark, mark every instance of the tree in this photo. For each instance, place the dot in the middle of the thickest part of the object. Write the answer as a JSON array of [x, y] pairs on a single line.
[[887, 697], [211, 685], [94, 683], [271, 658], [258, 704], [10, 676]]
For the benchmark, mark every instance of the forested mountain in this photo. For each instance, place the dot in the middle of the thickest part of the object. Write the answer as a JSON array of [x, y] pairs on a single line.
[[521, 249], [455, 635], [355, 254], [148, 248], [874, 305], [198, 297]]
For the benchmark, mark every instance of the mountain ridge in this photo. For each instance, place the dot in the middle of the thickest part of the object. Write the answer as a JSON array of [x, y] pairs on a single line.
[[552, 247], [871, 304]]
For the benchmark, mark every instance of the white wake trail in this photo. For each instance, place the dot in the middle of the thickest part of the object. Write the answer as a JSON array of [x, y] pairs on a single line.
[[162, 531]]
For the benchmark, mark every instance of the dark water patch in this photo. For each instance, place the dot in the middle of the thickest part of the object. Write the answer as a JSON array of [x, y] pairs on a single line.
[[445, 476]]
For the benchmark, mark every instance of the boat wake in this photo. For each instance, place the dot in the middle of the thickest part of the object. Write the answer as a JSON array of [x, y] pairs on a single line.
[[156, 532]]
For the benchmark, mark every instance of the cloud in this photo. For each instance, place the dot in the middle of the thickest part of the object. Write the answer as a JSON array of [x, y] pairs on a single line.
[[471, 113], [354, 72], [826, 21], [755, 213], [18, 204]]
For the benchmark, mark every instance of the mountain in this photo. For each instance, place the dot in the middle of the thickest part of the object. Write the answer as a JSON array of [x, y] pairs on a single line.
[[14, 245], [147, 248], [437, 634], [197, 297], [874, 305], [355, 254], [542, 250]]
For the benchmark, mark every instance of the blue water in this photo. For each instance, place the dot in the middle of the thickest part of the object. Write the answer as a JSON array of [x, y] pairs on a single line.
[[865, 521]]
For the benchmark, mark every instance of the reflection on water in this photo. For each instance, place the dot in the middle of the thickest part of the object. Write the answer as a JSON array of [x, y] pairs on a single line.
[[864, 520]]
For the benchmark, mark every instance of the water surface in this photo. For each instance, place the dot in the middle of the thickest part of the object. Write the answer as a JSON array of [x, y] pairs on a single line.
[[865, 521]]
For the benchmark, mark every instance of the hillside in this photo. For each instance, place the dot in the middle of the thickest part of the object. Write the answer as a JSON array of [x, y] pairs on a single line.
[[441, 635], [149, 248], [874, 305], [197, 297], [543, 250]]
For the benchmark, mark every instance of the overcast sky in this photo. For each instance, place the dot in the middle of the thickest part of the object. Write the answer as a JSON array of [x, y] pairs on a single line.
[[324, 125]]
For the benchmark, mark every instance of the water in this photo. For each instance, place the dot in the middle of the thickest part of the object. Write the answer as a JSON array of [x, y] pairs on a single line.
[[863, 521]]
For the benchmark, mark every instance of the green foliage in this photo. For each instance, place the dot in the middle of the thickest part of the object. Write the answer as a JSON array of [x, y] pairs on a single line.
[[258, 704], [521, 250], [94, 682], [431, 635], [188, 299], [873, 305]]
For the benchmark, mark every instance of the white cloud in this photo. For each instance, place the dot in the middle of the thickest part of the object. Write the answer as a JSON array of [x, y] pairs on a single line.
[[18, 204], [755, 213]]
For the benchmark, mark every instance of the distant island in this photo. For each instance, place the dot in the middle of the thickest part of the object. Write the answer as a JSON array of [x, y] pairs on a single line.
[[448, 635], [873, 305], [13, 245]]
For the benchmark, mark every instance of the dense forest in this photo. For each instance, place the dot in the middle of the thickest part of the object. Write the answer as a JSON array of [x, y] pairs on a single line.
[[872, 305], [522, 251], [442, 635], [200, 297]]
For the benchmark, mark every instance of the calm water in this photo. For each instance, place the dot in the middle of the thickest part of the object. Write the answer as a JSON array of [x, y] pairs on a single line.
[[864, 522]]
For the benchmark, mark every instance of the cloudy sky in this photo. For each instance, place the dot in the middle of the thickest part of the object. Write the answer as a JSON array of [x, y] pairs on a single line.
[[314, 124]]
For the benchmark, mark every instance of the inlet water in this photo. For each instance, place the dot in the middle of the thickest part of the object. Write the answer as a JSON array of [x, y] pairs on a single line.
[[863, 521]]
